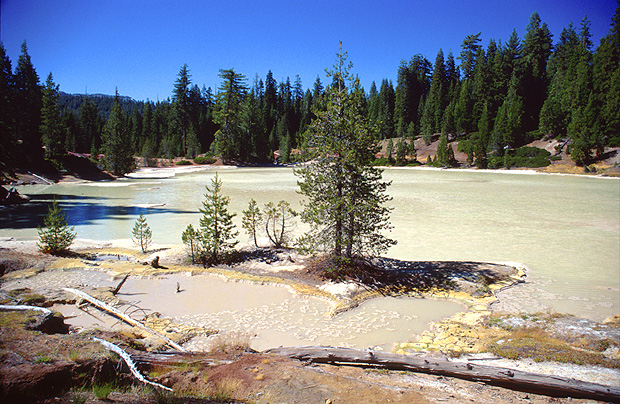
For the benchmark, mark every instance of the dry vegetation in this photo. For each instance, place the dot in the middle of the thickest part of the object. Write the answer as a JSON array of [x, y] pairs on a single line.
[[546, 337]]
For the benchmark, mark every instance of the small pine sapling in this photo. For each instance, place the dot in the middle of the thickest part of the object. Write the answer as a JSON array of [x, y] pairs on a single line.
[[192, 240], [278, 222], [142, 233], [216, 226], [252, 219], [57, 236]]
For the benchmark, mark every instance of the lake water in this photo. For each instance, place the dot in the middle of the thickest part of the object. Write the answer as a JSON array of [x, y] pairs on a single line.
[[564, 229]]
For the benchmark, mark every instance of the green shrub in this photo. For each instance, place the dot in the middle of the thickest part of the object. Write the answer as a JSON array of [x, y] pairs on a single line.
[[184, 163], [204, 160], [526, 156], [382, 161], [41, 358], [56, 237]]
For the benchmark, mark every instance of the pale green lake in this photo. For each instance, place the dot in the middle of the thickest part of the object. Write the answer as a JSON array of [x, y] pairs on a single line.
[[564, 229]]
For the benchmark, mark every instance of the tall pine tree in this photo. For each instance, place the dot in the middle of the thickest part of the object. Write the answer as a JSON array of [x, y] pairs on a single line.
[[51, 129], [345, 194], [117, 142]]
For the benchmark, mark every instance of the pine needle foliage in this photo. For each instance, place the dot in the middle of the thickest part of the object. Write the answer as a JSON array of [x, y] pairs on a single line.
[[252, 219], [192, 240], [346, 195], [278, 224], [142, 233], [57, 236], [216, 226]]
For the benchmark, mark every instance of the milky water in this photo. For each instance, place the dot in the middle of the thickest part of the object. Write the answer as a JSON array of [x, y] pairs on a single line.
[[270, 316], [565, 229]]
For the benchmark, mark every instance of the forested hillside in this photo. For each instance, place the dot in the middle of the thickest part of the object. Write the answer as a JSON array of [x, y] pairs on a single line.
[[492, 98]]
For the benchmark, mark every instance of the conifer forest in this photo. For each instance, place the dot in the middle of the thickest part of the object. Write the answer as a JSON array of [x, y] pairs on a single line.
[[492, 98]]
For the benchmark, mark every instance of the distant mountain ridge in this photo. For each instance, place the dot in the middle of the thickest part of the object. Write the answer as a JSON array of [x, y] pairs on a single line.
[[104, 103]]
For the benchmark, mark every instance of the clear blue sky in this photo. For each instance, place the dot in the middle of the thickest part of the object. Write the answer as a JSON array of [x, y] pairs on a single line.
[[138, 46]]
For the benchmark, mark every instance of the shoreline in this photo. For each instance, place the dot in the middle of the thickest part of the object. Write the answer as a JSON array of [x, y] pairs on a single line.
[[341, 296], [464, 333], [164, 172]]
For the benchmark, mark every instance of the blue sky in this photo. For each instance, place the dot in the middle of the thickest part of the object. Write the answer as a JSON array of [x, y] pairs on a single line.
[[138, 46]]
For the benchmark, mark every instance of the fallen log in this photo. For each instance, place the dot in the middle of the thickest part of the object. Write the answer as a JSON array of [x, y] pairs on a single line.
[[174, 359], [130, 363], [118, 287], [510, 378], [111, 310], [24, 307]]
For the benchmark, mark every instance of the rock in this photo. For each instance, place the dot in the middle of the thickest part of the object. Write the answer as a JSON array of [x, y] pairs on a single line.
[[50, 324]]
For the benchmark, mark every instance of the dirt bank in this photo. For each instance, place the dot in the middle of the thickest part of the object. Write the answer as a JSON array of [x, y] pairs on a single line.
[[36, 367], [253, 377]]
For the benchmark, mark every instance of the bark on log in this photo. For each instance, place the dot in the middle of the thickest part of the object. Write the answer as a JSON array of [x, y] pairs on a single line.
[[118, 287], [509, 378], [106, 307], [130, 363], [174, 358]]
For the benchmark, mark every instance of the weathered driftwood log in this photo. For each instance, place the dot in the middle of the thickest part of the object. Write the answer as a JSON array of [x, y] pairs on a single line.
[[174, 358], [130, 363], [111, 310], [509, 378], [24, 307], [120, 285]]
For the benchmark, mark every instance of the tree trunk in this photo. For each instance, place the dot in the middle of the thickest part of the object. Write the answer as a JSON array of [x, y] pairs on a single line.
[[508, 378]]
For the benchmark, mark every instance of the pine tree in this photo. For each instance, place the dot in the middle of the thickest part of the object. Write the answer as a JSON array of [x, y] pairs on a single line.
[[278, 222], [51, 125], [413, 82], [180, 102], [216, 226], [387, 99], [229, 115], [28, 103], [142, 233], [7, 119], [535, 53], [345, 194], [252, 219], [89, 127], [606, 81], [469, 52], [117, 142], [193, 242], [443, 159], [508, 127], [57, 236]]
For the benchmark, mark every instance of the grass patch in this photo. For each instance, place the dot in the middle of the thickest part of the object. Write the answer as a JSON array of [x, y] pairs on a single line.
[[43, 358], [224, 390], [102, 391], [230, 341], [536, 344]]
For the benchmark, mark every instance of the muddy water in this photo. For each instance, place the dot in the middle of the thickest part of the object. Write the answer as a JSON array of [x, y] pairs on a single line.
[[270, 315], [565, 229]]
